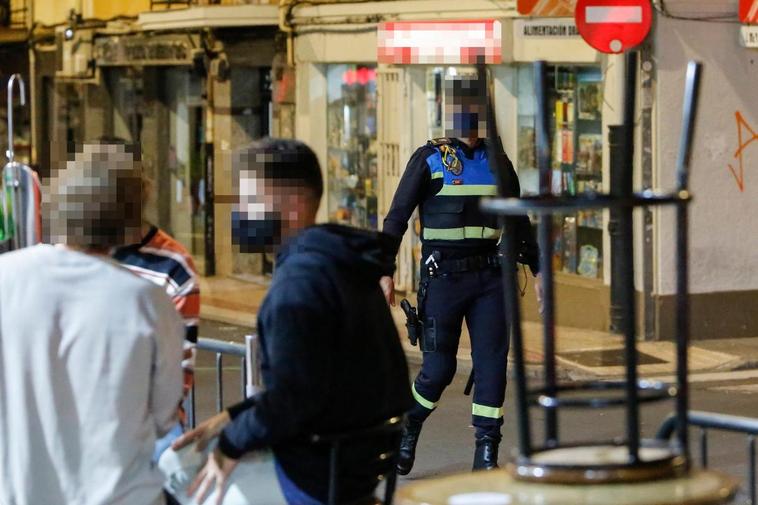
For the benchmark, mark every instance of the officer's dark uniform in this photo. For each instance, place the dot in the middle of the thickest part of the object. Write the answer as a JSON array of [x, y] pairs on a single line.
[[446, 179]]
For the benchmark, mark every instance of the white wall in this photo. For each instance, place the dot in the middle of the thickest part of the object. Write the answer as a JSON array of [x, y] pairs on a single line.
[[724, 220]]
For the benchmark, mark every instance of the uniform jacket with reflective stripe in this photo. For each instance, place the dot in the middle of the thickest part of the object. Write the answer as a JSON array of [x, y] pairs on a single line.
[[449, 204]]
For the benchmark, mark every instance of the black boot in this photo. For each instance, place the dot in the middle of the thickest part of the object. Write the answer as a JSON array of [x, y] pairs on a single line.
[[485, 456], [407, 453]]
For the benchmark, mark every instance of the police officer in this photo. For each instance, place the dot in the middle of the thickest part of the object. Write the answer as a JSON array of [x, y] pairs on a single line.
[[460, 271]]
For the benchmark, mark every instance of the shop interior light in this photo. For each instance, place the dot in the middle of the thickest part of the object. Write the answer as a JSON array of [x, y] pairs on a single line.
[[68, 33], [362, 76]]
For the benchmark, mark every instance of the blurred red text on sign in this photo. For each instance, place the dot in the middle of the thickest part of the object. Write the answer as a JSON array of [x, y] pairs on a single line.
[[459, 42]]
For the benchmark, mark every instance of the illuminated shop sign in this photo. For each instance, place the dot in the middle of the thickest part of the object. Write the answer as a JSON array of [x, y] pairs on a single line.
[[460, 42], [361, 75]]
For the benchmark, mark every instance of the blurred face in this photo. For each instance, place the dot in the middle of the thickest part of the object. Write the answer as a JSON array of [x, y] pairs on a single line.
[[95, 197], [465, 111], [269, 209]]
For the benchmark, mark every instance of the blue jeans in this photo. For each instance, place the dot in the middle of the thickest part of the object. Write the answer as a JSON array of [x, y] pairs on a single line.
[[164, 443], [293, 494]]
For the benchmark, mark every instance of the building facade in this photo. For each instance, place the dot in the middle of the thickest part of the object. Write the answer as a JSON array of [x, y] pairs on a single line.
[[377, 114], [189, 83], [193, 80]]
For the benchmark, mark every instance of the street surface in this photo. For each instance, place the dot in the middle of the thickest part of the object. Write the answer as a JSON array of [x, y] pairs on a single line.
[[447, 442]]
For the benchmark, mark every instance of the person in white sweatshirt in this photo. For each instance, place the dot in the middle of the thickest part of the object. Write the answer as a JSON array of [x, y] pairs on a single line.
[[90, 354]]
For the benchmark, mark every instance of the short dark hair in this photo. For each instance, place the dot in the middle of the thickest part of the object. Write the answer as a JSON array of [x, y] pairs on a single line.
[[282, 160], [466, 88]]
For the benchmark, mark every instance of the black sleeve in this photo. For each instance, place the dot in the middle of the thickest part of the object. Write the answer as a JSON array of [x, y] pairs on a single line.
[[298, 331], [413, 186], [240, 407], [527, 250]]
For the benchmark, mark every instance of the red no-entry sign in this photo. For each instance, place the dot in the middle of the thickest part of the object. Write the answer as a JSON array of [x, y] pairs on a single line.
[[613, 26]]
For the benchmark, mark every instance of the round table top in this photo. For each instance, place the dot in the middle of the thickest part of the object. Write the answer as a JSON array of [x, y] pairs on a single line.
[[497, 487]]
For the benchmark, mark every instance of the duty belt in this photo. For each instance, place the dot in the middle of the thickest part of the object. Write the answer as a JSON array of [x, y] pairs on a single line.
[[467, 264]]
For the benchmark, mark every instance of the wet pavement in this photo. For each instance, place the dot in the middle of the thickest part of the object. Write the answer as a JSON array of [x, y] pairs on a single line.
[[447, 442]]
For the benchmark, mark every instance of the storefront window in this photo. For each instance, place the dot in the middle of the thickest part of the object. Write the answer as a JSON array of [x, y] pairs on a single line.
[[575, 101], [352, 145]]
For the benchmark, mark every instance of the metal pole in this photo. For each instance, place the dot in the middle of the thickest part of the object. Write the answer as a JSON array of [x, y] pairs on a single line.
[[22, 88], [510, 281], [545, 238], [191, 407], [253, 384], [334, 472], [243, 378], [513, 316], [615, 143], [689, 112], [626, 260], [219, 382], [751, 468]]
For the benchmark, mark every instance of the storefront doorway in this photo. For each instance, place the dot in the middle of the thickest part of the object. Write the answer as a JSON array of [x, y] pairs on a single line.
[[162, 108]]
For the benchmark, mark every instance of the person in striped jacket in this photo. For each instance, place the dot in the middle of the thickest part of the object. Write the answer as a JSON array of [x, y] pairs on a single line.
[[163, 260]]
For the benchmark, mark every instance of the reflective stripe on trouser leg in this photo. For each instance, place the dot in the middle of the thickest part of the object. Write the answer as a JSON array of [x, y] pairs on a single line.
[[421, 400], [485, 411], [443, 310], [489, 351]]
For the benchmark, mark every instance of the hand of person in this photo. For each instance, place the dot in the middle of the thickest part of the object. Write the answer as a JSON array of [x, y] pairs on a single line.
[[216, 471], [538, 292], [203, 433], [388, 288]]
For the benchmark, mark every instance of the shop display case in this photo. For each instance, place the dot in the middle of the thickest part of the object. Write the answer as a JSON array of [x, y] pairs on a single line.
[[352, 145], [576, 96]]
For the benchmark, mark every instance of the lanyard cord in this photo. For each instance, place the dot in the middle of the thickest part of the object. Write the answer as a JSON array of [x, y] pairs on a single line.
[[526, 282]]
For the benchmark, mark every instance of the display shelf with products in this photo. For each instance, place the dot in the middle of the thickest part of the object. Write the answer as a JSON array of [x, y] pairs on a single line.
[[351, 145], [575, 96]]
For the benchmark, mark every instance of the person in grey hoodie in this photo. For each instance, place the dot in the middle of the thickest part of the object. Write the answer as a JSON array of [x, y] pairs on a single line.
[[331, 356], [90, 354]]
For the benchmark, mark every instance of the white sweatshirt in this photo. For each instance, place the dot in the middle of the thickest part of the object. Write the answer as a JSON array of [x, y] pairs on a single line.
[[90, 374]]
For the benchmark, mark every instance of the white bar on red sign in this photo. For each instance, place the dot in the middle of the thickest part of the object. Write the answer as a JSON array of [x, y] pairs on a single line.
[[620, 14], [752, 14], [439, 42]]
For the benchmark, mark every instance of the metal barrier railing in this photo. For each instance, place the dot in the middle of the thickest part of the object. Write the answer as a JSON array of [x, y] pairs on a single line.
[[250, 381], [722, 422]]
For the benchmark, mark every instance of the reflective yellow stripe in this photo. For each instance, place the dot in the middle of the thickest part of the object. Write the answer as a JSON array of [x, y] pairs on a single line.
[[468, 190], [437, 175], [461, 233], [421, 400], [485, 411]]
